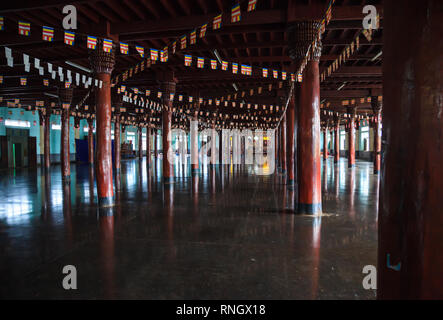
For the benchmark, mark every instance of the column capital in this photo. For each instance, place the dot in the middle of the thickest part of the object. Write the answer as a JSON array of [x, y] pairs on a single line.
[[101, 61], [301, 34], [376, 104]]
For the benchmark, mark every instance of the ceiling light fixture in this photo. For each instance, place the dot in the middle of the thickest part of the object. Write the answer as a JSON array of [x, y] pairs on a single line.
[[73, 64], [377, 56], [217, 56]]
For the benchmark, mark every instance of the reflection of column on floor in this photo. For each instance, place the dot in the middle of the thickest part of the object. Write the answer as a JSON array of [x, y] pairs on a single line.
[[107, 255]]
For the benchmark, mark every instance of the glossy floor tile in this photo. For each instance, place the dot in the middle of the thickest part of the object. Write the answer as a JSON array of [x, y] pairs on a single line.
[[226, 234]]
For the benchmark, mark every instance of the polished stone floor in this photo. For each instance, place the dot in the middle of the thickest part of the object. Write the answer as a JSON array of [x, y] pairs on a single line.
[[229, 234]]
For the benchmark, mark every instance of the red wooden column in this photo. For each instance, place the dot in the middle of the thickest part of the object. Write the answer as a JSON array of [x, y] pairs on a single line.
[[140, 141], [283, 144], [410, 220], [148, 145], [90, 141], [351, 137], [117, 142], [103, 63], [155, 143], [167, 87], [337, 139], [300, 35], [47, 137], [65, 96], [376, 107], [194, 136], [290, 135]]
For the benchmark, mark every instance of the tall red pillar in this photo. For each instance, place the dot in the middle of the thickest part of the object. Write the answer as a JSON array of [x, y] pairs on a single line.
[[103, 63], [283, 144], [337, 139], [117, 144], [376, 107], [90, 141], [290, 135], [167, 87], [351, 138], [65, 96], [410, 219], [300, 36]]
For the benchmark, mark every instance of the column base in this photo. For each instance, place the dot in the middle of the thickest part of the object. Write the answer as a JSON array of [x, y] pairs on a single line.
[[309, 208], [351, 165], [290, 182], [66, 179], [376, 171], [105, 202], [195, 171]]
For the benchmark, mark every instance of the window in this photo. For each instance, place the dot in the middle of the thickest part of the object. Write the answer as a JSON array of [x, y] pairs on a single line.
[[17, 123], [342, 140], [364, 138]]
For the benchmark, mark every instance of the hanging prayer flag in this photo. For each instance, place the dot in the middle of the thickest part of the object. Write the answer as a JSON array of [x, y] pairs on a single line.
[[171, 96], [299, 77], [135, 90], [45, 82], [235, 13], [67, 84], [69, 38], [224, 65], [234, 67], [200, 62], [190, 99], [141, 51], [23, 81], [265, 73], [193, 37], [154, 54], [213, 64], [251, 5], [283, 75], [124, 48], [148, 93], [164, 55], [292, 77], [24, 28], [183, 42], [275, 74], [2, 23], [174, 46], [216, 24], [107, 45], [180, 97], [159, 94], [246, 70], [188, 60], [92, 42], [47, 33], [203, 30], [1, 79]]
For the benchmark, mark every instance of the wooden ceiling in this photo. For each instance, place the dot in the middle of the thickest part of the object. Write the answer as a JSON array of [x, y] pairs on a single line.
[[259, 39]]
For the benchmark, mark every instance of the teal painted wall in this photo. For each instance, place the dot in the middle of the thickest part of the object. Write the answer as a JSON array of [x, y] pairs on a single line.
[[34, 130]]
